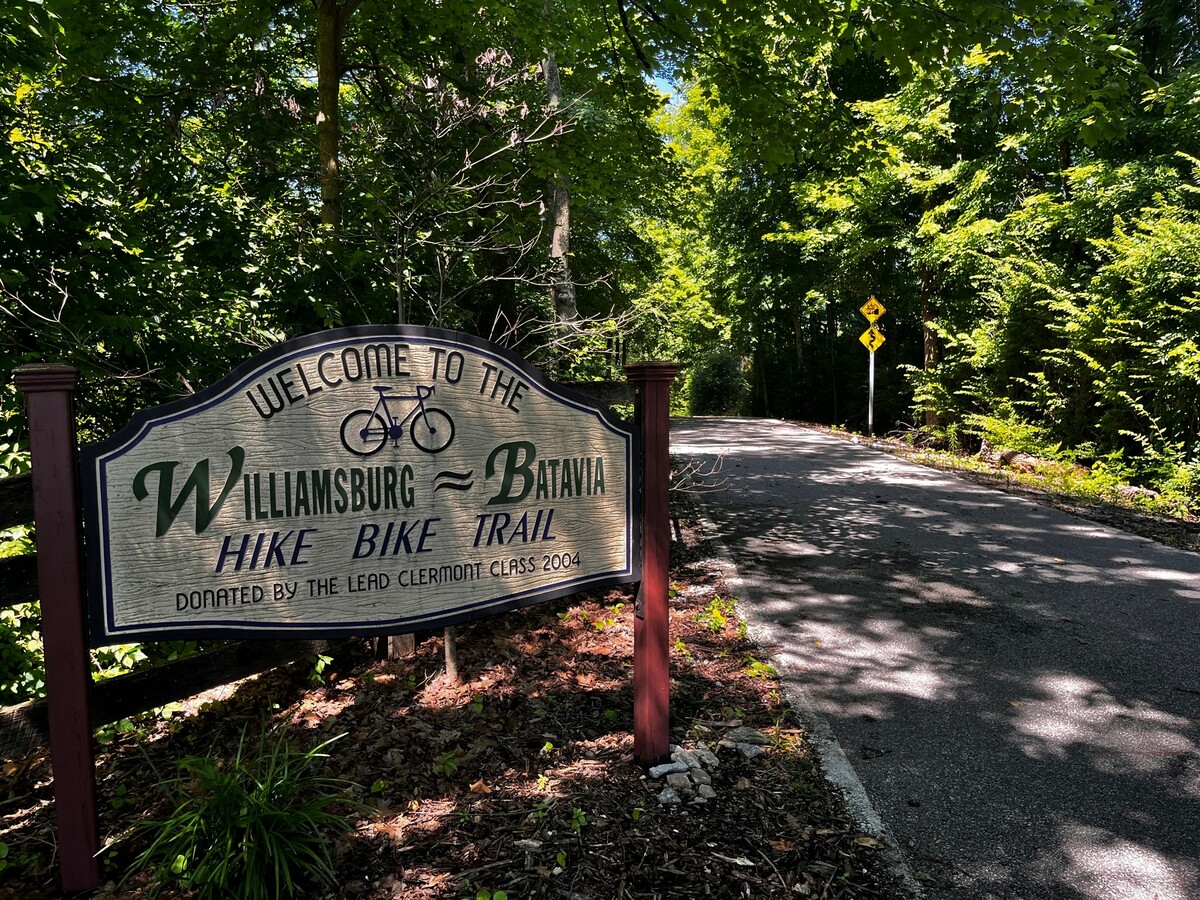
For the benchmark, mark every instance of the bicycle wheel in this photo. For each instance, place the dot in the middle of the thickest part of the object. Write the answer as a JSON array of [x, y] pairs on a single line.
[[364, 433], [432, 430]]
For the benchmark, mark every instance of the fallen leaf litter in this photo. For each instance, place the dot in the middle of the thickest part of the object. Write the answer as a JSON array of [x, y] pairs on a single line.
[[520, 778]]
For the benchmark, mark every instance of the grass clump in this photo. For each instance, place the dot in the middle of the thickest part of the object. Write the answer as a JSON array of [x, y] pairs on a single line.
[[256, 826]]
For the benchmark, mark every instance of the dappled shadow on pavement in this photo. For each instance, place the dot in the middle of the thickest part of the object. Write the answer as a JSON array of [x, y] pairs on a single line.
[[1017, 689]]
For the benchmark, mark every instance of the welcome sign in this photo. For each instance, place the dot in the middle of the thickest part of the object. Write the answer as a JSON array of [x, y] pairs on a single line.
[[357, 481]]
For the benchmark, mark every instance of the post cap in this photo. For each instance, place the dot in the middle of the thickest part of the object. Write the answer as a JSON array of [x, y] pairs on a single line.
[[652, 371], [34, 377]]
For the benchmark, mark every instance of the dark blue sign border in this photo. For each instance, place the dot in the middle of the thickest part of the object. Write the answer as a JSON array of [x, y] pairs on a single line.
[[94, 458]]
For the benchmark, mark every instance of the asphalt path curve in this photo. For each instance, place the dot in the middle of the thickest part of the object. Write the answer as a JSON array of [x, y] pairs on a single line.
[[1017, 689]]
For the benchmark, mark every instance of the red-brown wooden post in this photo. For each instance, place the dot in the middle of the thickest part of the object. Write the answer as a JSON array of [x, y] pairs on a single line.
[[49, 393], [651, 652]]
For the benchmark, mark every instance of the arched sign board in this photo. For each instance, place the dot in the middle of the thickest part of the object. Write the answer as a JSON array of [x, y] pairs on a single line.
[[359, 481]]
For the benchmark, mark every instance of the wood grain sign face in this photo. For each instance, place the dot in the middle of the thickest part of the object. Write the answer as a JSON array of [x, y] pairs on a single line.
[[357, 481]]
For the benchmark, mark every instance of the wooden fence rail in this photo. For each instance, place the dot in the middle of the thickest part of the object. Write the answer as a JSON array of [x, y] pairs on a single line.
[[16, 501], [24, 727]]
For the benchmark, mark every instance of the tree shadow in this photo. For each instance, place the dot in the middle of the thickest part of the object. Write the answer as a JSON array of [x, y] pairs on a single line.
[[1016, 688]]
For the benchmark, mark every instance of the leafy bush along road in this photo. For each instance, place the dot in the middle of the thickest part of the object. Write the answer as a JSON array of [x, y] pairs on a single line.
[[520, 780]]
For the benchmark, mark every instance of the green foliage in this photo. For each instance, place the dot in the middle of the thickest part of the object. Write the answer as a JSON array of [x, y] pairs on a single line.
[[756, 668], [1030, 223], [11, 859], [254, 826], [446, 764], [22, 673], [319, 664], [718, 386], [1010, 433], [1021, 192], [578, 819], [716, 615], [22, 668]]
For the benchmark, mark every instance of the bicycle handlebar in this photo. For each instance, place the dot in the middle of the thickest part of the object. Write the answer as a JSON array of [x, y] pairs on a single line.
[[424, 392]]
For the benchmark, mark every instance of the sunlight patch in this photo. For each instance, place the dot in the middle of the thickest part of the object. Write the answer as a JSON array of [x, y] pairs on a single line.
[[1098, 863]]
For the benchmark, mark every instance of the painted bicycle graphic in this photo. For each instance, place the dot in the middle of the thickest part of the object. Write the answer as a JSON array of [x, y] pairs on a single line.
[[366, 431]]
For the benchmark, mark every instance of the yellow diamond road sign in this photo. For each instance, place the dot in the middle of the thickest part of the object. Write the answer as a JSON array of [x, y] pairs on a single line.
[[872, 338], [872, 309]]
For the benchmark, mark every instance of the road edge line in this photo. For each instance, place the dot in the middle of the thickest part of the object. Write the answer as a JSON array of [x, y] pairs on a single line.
[[836, 765]]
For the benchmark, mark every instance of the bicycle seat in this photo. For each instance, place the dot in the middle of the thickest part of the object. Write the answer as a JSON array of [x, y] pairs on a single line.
[[383, 388]]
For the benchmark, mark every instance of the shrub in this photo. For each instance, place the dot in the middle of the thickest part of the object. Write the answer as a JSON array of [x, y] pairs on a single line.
[[718, 385], [1010, 433], [22, 676], [251, 827]]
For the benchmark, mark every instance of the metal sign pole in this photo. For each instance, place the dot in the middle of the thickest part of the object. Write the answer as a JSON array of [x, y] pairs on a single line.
[[871, 396], [872, 339]]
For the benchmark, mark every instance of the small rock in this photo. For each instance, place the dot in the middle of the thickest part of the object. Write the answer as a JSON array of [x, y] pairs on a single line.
[[748, 735], [685, 757], [700, 776], [680, 782], [1132, 492], [668, 797], [667, 769], [698, 801], [750, 751], [706, 757], [706, 792]]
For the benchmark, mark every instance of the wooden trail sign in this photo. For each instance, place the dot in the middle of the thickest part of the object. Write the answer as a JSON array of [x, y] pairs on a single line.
[[358, 481]]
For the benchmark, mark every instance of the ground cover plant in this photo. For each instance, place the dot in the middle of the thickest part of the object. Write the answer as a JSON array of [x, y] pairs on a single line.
[[254, 826], [518, 781]]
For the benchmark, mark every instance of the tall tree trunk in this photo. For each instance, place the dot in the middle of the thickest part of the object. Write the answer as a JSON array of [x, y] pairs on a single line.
[[932, 347], [831, 334], [331, 22], [497, 316], [562, 286]]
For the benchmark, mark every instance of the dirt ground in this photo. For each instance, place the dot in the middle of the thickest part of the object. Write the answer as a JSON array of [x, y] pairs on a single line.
[[520, 778]]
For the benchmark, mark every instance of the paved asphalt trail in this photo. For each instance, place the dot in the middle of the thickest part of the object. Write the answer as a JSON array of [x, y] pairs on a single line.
[[1017, 689]]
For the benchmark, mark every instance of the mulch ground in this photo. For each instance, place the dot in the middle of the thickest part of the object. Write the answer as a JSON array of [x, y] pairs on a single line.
[[520, 778]]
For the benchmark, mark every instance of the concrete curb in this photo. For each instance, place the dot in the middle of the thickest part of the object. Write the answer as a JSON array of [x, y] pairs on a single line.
[[837, 766]]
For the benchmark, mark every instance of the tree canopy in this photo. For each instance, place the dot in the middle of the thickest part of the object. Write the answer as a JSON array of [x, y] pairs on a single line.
[[721, 183]]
